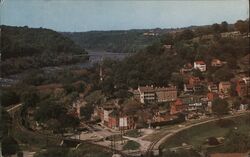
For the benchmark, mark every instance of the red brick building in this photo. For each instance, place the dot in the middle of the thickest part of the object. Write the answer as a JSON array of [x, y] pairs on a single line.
[[177, 107], [211, 96], [242, 88]]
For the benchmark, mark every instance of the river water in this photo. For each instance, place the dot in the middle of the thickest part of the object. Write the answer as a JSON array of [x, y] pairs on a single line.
[[95, 57]]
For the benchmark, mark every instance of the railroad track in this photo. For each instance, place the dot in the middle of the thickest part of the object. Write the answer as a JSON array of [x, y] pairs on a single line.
[[17, 121], [152, 145]]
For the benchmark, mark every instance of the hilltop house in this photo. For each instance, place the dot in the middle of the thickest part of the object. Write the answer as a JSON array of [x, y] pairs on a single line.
[[217, 63], [186, 68], [201, 65], [234, 34]]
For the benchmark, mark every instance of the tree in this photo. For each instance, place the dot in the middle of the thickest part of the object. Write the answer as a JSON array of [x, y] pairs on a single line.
[[224, 26], [236, 104], [30, 98], [213, 141], [167, 39], [69, 88], [197, 73], [49, 109], [86, 111], [9, 97], [223, 74], [9, 146], [69, 121], [80, 87], [187, 34], [242, 26], [220, 106], [237, 142], [54, 125], [5, 121], [216, 28]]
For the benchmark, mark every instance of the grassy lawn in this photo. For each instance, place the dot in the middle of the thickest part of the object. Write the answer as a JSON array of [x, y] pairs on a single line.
[[86, 150], [197, 135], [164, 130]]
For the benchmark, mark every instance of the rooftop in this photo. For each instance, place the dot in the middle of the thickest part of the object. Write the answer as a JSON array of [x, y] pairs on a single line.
[[200, 62]]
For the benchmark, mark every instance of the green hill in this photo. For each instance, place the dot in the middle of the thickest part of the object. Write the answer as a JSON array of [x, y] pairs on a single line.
[[23, 48], [113, 41], [24, 41]]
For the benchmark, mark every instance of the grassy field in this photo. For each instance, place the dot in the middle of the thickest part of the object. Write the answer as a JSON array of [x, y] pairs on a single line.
[[197, 135]]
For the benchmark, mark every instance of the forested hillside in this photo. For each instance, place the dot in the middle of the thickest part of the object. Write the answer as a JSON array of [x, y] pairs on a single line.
[[113, 41], [23, 48], [159, 66]]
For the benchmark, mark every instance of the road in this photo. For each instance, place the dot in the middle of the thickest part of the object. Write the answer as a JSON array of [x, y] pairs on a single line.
[[154, 146]]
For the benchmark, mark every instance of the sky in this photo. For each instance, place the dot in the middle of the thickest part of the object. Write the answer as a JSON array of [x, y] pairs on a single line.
[[86, 15]]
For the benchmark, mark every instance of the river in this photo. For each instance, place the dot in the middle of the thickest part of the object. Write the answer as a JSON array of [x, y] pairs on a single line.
[[95, 56]]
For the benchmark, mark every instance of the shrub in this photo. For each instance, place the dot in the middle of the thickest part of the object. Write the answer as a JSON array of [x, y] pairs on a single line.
[[225, 123], [131, 145]]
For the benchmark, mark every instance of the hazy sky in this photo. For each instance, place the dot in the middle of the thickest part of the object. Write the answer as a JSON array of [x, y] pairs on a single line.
[[85, 15]]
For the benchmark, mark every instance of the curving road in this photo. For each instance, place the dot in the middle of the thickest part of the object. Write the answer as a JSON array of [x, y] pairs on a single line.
[[154, 146]]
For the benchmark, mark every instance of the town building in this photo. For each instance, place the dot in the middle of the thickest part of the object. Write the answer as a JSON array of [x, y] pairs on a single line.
[[212, 88], [217, 63], [234, 34], [188, 88], [201, 65], [211, 96], [187, 68], [165, 94], [167, 47], [149, 94], [195, 106], [224, 87], [126, 122], [177, 107], [242, 87], [112, 118], [77, 105]]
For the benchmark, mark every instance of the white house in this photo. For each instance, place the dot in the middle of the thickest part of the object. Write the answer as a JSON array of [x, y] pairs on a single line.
[[201, 65]]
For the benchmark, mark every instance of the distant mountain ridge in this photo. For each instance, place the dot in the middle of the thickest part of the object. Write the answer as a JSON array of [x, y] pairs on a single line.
[[24, 41]]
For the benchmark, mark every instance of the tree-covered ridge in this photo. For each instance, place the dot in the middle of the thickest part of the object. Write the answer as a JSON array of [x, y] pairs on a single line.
[[25, 48], [113, 41], [24, 41], [159, 66]]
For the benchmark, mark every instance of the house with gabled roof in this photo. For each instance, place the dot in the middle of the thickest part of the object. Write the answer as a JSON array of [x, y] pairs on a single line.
[[201, 65]]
